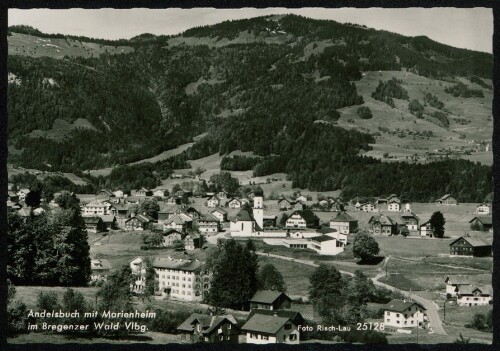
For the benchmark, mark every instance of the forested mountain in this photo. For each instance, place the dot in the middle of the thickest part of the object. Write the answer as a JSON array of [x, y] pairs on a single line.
[[272, 85]]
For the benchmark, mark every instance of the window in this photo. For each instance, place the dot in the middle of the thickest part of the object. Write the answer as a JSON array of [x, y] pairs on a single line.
[[288, 326], [221, 337], [252, 335], [229, 326], [265, 337], [293, 337]]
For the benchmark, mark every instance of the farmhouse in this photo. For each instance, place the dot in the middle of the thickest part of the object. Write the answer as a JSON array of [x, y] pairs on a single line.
[[94, 224], [285, 204], [344, 223], [481, 223], [404, 314], [181, 279], [179, 222], [220, 214], [192, 212], [120, 211], [302, 219], [454, 284], [142, 192], [483, 209], [166, 211], [270, 300], [264, 329], [367, 207], [106, 193], [208, 224], [172, 200], [393, 205], [446, 200], [138, 222], [100, 269], [469, 296], [467, 246], [119, 193], [159, 193], [222, 195], [234, 203], [209, 329], [171, 236], [192, 241], [382, 224], [410, 220], [426, 229], [213, 201], [294, 316], [109, 221]]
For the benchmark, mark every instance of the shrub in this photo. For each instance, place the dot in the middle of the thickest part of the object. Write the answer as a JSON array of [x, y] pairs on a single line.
[[364, 112]]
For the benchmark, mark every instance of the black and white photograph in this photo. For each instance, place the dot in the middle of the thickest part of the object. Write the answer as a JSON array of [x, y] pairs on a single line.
[[250, 176]]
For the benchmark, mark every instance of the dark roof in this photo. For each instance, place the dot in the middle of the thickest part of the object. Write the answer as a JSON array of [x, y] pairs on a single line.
[[307, 215], [469, 290], [487, 220], [383, 219], [326, 230], [267, 296], [294, 316], [107, 218], [99, 264], [444, 197], [171, 231], [456, 281], [178, 264], [264, 323], [92, 220], [208, 217], [322, 238], [401, 306], [219, 210], [258, 191], [242, 215], [475, 242], [208, 322], [343, 217]]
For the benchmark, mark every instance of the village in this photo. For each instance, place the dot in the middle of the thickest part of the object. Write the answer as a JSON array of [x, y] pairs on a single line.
[[293, 232]]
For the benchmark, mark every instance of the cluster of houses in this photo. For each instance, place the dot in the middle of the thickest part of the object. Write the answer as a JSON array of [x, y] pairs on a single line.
[[465, 293], [270, 321]]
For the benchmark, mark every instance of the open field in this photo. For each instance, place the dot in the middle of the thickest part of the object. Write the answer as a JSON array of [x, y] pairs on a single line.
[[418, 276], [417, 247], [28, 45], [42, 338]]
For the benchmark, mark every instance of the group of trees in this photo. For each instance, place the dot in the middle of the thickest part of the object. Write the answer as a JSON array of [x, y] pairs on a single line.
[[364, 112], [482, 322], [462, 90], [416, 108], [49, 248], [235, 289], [388, 90], [238, 163]]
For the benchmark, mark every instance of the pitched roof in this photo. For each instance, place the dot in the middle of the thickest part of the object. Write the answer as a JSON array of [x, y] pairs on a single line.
[[294, 316], [171, 231], [208, 217], [307, 215], [456, 281], [488, 220], [99, 264], [92, 220], [343, 217], [383, 219], [178, 264], [264, 323], [266, 296], [208, 322], [475, 242], [242, 215], [107, 218], [401, 306], [469, 290], [218, 209], [444, 197], [177, 219]]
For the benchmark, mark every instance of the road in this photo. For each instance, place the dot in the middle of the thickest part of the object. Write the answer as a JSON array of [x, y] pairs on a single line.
[[432, 309]]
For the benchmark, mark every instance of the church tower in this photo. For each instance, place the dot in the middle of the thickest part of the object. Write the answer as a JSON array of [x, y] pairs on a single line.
[[258, 207]]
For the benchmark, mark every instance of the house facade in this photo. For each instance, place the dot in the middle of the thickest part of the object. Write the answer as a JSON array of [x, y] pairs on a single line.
[[234, 203], [410, 220], [454, 284], [170, 237], [472, 247], [181, 279], [99, 268], [483, 209], [96, 208], [213, 202], [302, 219], [264, 329], [208, 224], [138, 268], [220, 214], [344, 223], [470, 296], [482, 223], [270, 300], [94, 224], [426, 229], [326, 245], [209, 329], [405, 314], [447, 200], [382, 224]]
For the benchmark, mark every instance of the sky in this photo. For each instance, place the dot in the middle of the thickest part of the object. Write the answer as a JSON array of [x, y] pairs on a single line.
[[464, 28]]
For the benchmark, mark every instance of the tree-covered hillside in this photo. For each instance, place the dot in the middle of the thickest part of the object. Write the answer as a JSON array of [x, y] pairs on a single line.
[[272, 85]]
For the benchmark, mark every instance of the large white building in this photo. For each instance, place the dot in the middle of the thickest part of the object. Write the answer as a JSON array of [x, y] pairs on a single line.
[[405, 314], [469, 296], [181, 279], [96, 208]]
